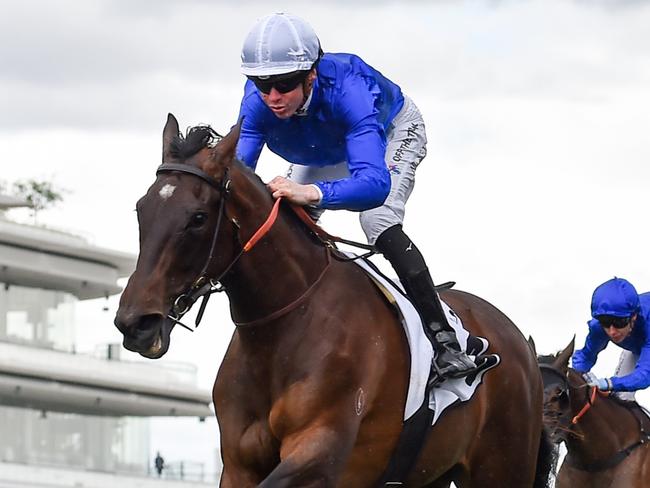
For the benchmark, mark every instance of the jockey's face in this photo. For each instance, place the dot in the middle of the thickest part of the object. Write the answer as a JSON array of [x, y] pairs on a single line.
[[618, 335], [284, 105]]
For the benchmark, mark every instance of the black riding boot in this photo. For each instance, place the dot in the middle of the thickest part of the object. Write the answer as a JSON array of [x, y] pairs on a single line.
[[451, 361], [408, 262]]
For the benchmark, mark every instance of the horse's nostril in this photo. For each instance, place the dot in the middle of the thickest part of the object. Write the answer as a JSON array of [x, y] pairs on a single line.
[[137, 325], [144, 333], [149, 322]]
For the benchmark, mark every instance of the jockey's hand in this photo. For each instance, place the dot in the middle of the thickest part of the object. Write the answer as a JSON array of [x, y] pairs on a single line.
[[603, 384], [294, 192]]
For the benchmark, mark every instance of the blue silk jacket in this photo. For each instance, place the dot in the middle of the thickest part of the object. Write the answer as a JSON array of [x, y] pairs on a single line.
[[351, 108]]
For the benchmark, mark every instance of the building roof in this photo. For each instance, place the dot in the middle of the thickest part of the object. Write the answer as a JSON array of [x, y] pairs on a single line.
[[40, 257], [7, 202], [45, 379], [45, 258]]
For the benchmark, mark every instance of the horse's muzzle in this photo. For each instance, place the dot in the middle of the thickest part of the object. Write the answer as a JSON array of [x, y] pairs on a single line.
[[147, 334]]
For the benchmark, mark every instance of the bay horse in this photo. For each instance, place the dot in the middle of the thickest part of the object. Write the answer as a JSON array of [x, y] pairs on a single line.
[[311, 391], [606, 438]]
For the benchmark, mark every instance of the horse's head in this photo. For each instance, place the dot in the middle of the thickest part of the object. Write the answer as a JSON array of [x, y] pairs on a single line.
[[179, 217], [558, 380]]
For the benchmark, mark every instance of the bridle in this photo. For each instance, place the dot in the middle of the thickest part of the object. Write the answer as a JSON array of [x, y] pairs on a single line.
[[205, 285], [619, 456], [566, 389], [592, 394]]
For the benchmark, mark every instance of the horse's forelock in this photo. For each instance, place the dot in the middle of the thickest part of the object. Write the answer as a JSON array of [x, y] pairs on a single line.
[[195, 139]]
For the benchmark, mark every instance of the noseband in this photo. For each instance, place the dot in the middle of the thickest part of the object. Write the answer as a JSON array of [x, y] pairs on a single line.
[[592, 394]]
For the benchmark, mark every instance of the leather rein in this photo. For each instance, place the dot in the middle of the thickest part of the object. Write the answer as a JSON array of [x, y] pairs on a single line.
[[205, 285]]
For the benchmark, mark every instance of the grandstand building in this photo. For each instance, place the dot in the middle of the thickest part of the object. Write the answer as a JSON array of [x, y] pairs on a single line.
[[69, 419]]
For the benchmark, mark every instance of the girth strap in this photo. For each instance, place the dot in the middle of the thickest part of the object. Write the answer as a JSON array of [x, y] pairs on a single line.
[[409, 445]]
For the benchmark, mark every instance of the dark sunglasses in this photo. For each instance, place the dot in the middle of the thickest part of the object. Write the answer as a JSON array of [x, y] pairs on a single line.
[[607, 321], [282, 83]]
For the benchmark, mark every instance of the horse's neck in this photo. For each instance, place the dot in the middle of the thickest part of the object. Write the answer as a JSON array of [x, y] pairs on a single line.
[[605, 429], [276, 272]]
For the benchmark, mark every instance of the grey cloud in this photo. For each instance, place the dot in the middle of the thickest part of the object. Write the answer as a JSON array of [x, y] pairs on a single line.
[[614, 4], [124, 105], [110, 63], [69, 42]]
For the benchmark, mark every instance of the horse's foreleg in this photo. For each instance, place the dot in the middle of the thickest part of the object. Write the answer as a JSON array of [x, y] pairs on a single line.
[[238, 478], [312, 458]]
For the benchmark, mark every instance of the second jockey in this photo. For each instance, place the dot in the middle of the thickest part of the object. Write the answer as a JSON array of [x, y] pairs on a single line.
[[622, 316]]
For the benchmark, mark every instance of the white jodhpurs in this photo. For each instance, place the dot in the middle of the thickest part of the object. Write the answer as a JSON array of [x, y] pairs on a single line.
[[626, 364], [406, 142]]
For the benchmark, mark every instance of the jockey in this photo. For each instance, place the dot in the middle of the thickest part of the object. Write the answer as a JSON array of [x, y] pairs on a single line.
[[353, 141], [622, 316]]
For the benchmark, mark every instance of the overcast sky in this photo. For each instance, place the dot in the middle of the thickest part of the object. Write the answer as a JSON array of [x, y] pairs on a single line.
[[534, 190]]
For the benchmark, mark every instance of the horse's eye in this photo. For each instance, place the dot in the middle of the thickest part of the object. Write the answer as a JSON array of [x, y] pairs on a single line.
[[562, 396], [198, 219]]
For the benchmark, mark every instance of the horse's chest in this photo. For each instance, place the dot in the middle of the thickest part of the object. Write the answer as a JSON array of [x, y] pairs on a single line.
[[257, 445]]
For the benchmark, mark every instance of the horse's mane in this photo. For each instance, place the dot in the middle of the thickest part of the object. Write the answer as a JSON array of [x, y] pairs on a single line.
[[546, 358], [195, 139], [202, 136], [199, 137]]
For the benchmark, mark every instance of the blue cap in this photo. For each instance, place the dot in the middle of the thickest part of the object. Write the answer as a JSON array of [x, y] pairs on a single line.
[[616, 297]]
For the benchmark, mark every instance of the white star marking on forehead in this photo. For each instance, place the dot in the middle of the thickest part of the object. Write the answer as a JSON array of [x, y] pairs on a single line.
[[166, 191]]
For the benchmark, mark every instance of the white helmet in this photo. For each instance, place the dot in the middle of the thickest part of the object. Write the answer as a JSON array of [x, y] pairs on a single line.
[[279, 44]]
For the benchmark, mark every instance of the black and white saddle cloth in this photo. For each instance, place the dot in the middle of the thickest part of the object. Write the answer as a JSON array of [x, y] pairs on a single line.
[[449, 392]]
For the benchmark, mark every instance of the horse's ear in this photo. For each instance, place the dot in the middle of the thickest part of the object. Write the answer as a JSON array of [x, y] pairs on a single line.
[[562, 359], [170, 131], [225, 149], [531, 343]]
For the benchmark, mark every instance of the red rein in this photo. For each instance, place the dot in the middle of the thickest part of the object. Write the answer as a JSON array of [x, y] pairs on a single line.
[[270, 220], [588, 405]]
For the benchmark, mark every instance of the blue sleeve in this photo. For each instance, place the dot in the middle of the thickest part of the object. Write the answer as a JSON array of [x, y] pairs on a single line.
[[584, 359], [251, 137], [369, 181], [638, 379]]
